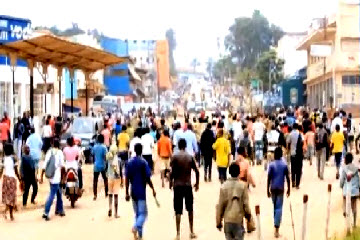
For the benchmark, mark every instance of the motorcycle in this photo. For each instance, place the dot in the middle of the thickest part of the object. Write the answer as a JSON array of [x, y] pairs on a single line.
[[72, 191]]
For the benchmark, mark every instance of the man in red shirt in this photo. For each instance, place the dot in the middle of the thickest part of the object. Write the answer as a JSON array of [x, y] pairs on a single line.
[[6, 119], [4, 131]]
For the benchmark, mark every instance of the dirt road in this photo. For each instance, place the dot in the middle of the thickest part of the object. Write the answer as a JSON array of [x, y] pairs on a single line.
[[89, 219]]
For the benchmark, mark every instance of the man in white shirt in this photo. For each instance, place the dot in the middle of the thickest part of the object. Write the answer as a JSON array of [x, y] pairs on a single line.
[[259, 130], [337, 121], [55, 181], [133, 142], [238, 130], [148, 142]]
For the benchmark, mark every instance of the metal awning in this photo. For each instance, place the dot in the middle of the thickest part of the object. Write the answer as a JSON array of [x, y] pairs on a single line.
[[59, 52]]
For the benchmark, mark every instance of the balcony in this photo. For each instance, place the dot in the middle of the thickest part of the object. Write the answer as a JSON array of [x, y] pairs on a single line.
[[317, 69]]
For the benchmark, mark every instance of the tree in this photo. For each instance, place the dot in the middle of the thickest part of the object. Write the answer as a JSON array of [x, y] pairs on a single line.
[[210, 67], [224, 68], [248, 38], [170, 36], [269, 65], [195, 63]]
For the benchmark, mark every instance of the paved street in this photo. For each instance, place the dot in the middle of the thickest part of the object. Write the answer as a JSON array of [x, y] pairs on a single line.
[[89, 219]]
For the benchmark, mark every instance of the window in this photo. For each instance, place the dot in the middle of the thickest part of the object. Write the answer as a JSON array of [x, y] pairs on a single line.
[[350, 79]]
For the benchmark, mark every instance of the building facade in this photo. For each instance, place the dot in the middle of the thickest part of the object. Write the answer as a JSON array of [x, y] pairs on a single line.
[[286, 50], [332, 45]]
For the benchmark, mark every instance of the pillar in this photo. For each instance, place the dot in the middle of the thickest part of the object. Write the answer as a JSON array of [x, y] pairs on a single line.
[[59, 78], [31, 73]]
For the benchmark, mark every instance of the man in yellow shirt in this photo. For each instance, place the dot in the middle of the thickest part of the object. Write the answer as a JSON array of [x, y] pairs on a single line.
[[124, 142], [222, 148], [337, 144]]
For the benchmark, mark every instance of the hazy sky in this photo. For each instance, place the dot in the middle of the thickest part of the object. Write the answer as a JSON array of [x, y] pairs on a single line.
[[197, 23]]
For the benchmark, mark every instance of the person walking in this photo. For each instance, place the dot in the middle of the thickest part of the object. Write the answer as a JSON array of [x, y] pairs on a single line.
[[278, 172], [46, 134], [321, 144], [190, 138], [309, 142], [295, 144], [107, 135], [337, 145], [206, 141], [28, 175], [222, 148], [99, 152], [123, 147], [233, 206], [350, 173], [19, 130], [134, 141], [244, 165], [180, 178], [164, 151], [259, 131], [115, 181], [56, 155], [9, 170], [35, 144], [138, 175], [148, 143]]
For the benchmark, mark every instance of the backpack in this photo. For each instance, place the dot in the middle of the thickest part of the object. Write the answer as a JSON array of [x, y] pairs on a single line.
[[320, 143], [299, 146], [50, 167]]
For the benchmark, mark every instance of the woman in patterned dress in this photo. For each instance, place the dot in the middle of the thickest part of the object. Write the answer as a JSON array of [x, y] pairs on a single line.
[[9, 168]]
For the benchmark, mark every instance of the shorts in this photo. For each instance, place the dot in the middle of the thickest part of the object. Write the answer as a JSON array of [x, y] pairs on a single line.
[[114, 186], [351, 138], [181, 193], [124, 155], [164, 163]]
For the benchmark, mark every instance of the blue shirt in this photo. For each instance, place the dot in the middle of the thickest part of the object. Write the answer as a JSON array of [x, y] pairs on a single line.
[[191, 142], [290, 121], [35, 144], [278, 170], [117, 129], [99, 152], [153, 134], [137, 172]]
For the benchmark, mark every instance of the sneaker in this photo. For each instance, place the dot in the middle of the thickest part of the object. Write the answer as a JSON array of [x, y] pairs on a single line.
[[110, 213], [46, 217], [94, 198], [193, 236]]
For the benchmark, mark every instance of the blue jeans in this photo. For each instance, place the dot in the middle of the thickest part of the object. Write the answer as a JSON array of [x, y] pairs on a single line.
[[234, 231], [278, 200], [140, 210], [54, 190], [259, 147]]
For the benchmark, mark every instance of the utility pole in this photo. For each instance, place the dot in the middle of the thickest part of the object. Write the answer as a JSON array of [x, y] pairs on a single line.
[[324, 73]]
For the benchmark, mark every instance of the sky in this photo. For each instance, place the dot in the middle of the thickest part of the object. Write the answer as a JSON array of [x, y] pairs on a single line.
[[197, 23]]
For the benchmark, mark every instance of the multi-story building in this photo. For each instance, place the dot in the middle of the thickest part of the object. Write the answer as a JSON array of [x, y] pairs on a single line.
[[286, 49], [333, 73]]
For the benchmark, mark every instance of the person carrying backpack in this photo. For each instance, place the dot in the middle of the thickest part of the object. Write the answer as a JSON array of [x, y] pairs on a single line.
[[54, 170], [295, 144], [321, 140]]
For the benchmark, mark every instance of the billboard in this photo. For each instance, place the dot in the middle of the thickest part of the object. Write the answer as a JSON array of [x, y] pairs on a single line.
[[163, 68]]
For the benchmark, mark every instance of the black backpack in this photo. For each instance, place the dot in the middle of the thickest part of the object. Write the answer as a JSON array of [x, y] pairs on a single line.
[[299, 146]]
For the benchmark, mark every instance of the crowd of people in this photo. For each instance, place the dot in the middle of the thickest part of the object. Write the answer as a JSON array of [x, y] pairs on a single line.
[[128, 151]]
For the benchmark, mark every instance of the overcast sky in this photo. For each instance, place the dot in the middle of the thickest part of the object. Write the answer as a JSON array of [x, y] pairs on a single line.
[[197, 23]]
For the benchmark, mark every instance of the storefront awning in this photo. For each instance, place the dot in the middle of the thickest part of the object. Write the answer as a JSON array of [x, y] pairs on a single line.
[[61, 53]]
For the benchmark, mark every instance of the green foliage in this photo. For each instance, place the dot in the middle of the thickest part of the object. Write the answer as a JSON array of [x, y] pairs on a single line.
[[245, 76], [223, 68], [267, 61], [250, 37], [170, 36]]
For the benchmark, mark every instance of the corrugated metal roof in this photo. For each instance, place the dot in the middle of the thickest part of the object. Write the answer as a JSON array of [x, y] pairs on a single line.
[[60, 52]]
